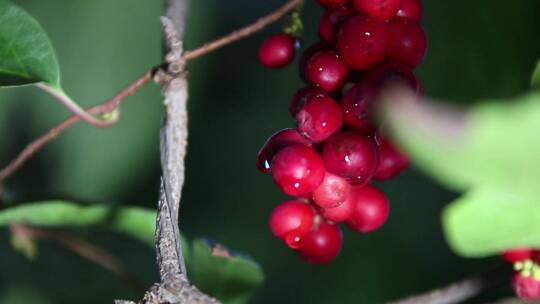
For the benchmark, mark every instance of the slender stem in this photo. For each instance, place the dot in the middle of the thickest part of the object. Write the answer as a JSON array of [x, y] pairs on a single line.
[[81, 247], [245, 31], [462, 290], [111, 104], [71, 105]]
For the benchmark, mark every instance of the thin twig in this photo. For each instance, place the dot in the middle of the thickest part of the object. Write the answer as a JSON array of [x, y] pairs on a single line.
[[71, 105], [244, 32], [41, 141], [462, 290], [110, 105], [81, 247]]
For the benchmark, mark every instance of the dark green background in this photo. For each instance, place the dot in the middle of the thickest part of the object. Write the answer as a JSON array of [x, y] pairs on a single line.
[[478, 49]]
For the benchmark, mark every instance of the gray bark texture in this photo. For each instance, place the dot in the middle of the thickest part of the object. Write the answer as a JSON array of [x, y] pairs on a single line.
[[174, 287]]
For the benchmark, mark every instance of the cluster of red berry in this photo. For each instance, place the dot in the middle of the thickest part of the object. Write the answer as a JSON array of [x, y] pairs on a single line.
[[526, 278], [328, 161]]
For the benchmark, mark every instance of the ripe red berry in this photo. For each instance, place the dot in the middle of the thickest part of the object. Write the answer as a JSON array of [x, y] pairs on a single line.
[[297, 170], [307, 54], [277, 51], [391, 161], [517, 255], [292, 221], [381, 9], [331, 20], [411, 9], [406, 42], [361, 42], [526, 287], [322, 245], [357, 106], [332, 192], [329, 3], [276, 142], [392, 73], [327, 71], [303, 95], [370, 209], [351, 155], [340, 213], [319, 117]]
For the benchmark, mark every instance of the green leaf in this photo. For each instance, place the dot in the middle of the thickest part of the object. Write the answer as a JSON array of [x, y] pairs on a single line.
[[231, 279], [490, 152], [535, 80], [26, 53]]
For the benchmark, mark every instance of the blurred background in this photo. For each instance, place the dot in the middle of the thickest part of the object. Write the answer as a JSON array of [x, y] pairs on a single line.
[[477, 49]]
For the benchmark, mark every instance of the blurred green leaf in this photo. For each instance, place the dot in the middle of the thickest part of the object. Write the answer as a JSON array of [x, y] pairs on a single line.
[[135, 222], [535, 80], [491, 152], [26, 53], [232, 279]]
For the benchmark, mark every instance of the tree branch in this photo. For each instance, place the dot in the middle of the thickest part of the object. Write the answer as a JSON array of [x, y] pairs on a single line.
[[113, 103], [462, 290]]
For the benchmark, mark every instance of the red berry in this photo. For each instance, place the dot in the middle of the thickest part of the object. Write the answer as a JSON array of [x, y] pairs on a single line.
[[292, 221], [517, 255], [395, 73], [340, 213], [381, 9], [351, 155], [370, 209], [322, 245], [319, 117], [307, 54], [411, 9], [406, 42], [332, 192], [526, 287], [331, 20], [327, 71], [361, 42], [329, 3], [357, 106], [391, 161], [303, 95], [297, 170], [275, 143], [277, 51]]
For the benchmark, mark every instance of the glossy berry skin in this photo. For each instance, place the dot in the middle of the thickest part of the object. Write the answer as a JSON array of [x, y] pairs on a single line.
[[329, 3], [319, 118], [277, 51], [411, 9], [391, 161], [517, 255], [361, 42], [307, 54], [357, 106], [327, 71], [292, 221], [394, 73], [370, 209], [340, 213], [351, 155], [276, 142], [303, 95], [322, 245], [380, 9], [526, 287], [406, 42], [297, 170], [331, 20], [332, 192]]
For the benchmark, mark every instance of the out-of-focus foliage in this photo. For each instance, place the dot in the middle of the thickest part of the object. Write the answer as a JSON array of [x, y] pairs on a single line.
[[478, 50]]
